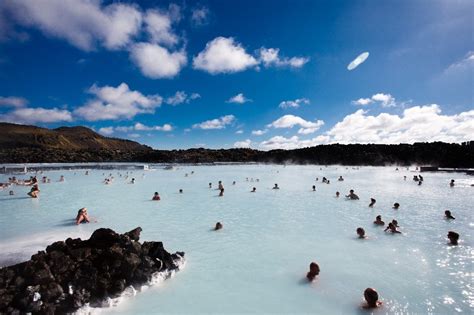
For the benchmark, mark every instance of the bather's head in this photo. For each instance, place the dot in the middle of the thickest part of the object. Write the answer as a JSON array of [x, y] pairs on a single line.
[[371, 296]]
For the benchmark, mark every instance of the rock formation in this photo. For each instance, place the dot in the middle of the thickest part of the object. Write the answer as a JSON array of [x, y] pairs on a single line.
[[70, 274]]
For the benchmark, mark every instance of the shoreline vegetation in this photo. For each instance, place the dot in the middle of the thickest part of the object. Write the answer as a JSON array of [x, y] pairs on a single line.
[[30, 144]]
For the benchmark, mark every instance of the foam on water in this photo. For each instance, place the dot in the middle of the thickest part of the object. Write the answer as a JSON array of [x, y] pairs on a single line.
[[257, 262]]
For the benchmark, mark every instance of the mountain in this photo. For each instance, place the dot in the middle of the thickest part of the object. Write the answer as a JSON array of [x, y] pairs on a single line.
[[30, 144], [13, 136]]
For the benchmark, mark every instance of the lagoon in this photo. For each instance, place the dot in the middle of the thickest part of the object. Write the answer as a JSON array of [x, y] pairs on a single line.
[[258, 261]]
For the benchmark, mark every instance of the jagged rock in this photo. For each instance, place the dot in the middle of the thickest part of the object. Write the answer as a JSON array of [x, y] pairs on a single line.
[[72, 273]]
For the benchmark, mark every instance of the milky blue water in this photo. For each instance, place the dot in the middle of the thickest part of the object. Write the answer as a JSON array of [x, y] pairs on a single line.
[[258, 261]]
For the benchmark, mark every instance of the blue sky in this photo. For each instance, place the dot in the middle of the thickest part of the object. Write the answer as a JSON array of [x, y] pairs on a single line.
[[260, 74]]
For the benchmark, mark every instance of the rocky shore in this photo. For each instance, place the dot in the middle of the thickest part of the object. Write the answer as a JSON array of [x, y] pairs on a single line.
[[73, 273]]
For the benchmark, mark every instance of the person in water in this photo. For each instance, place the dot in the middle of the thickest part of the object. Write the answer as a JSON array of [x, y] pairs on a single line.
[[220, 187], [314, 188], [276, 187], [392, 228], [156, 196], [395, 223], [313, 271], [396, 205], [340, 178], [451, 183], [254, 189], [453, 237], [34, 192], [82, 216], [11, 193], [133, 181], [61, 179], [448, 215], [372, 202], [210, 185], [218, 226], [233, 183], [372, 298], [180, 191], [378, 220], [360, 232], [337, 194], [221, 193], [352, 195]]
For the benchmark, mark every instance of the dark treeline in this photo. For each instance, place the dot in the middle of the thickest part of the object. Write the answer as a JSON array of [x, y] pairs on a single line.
[[433, 154]]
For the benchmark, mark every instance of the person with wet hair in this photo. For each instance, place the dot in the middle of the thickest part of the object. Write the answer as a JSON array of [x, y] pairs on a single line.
[[392, 229], [82, 216], [360, 232], [313, 271], [254, 189], [337, 194], [451, 184], [396, 205], [218, 226], [395, 223], [453, 237], [448, 215], [314, 188], [378, 220], [372, 298], [352, 195], [276, 187], [156, 196], [372, 202]]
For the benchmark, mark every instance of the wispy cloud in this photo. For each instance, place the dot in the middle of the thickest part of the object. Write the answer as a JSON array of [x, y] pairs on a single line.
[[294, 104], [217, 123], [239, 99]]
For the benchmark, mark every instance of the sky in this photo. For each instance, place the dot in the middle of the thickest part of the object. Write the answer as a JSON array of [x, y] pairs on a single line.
[[263, 74]]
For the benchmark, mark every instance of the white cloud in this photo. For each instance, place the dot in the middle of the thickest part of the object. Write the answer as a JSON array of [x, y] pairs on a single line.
[[157, 62], [141, 127], [117, 103], [289, 121], [218, 123], [133, 135], [239, 99], [293, 104], [362, 101], [181, 97], [200, 16], [463, 64], [158, 24], [358, 61], [386, 100], [259, 132], [243, 144], [239, 132], [223, 55], [37, 115], [270, 57], [416, 124], [82, 23], [106, 130], [13, 101]]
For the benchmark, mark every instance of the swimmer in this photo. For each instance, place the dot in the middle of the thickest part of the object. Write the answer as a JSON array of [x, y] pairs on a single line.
[[451, 183], [421, 177], [276, 187], [180, 191], [324, 179], [254, 189], [404, 178], [448, 215], [82, 216], [313, 271], [392, 228], [156, 196], [210, 185], [34, 192], [218, 226], [221, 193], [420, 182], [396, 205], [340, 178], [314, 188], [11, 193], [233, 183], [453, 237], [378, 220], [61, 179], [395, 223], [337, 194], [361, 232], [372, 298], [352, 195], [372, 202], [133, 181], [220, 186], [317, 178]]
